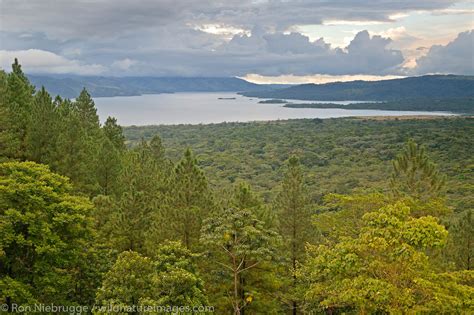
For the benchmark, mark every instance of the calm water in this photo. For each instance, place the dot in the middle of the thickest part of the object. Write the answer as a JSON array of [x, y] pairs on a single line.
[[196, 108]]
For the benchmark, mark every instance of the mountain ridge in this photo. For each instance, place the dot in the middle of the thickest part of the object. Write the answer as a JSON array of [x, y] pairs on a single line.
[[69, 86], [425, 87]]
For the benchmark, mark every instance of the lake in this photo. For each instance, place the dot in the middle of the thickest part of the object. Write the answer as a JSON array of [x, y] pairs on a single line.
[[205, 108]]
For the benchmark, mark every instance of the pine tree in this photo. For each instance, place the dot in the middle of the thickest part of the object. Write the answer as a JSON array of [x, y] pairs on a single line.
[[189, 201], [114, 133], [79, 142], [112, 148], [138, 189], [415, 175], [18, 99], [259, 282], [5, 119], [85, 107], [292, 205], [42, 131], [108, 167], [71, 157]]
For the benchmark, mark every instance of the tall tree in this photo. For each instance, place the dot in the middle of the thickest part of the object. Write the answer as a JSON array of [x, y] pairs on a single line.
[[384, 269], [461, 242], [5, 119], [85, 107], [42, 131], [232, 237], [260, 282], [109, 165], [44, 231], [138, 200], [110, 155], [292, 205], [19, 99], [189, 201], [114, 133], [415, 175], [169, 279]]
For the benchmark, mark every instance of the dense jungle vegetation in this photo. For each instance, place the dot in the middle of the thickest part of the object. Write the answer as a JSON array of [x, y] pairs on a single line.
[[337, 216]]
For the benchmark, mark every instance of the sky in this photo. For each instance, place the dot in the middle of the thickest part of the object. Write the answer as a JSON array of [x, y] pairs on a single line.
[[263, 41]]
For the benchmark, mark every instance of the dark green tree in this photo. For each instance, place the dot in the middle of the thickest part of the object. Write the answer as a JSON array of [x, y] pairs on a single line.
[[109, 166], [42, 131], [18, 99], [189, 201], [114, 133], [139, 197], [5, 119], [294, 213], [260, 282], [85, 107], [415, 175], [461, 241]]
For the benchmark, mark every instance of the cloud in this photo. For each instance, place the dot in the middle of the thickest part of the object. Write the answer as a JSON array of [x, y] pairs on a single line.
[[274, 54], [41, 61], [456, 57], [205, 38], [124, 64], [112, 17]]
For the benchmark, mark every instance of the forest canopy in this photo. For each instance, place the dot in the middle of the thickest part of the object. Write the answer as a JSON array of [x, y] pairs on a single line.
[[338, 216]]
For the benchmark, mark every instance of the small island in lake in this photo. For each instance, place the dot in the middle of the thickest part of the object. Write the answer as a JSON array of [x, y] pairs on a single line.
[[273, 101]]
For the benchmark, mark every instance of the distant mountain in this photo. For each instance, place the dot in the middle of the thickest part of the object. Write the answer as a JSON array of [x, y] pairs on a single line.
[[426, 87], [71, 86]]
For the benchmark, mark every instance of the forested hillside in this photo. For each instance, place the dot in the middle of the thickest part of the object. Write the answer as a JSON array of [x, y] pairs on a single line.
[[340, 216], [71, 86], [424, 87]]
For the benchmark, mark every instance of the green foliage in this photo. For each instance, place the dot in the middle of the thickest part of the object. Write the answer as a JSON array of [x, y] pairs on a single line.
[[344, 156], [109, 166], [454, 104], [169, 279], [461, 241], [292, 205], [5, 121], [114, 133], [384, 269], [127, 282], [341, 215], [18, 99], [188, 202], [44, 233], [42, 131], [375, 249], [415, 175], [238, 243]]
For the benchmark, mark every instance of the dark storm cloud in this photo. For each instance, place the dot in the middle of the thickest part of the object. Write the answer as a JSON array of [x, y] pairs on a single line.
[[85, 18], [165, 37]]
